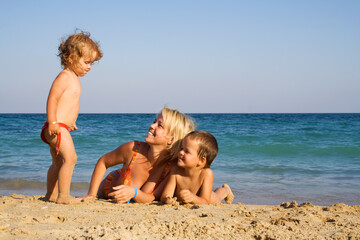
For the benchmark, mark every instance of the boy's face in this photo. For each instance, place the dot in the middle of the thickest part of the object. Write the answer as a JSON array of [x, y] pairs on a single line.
[[188, 155], [84, 65]]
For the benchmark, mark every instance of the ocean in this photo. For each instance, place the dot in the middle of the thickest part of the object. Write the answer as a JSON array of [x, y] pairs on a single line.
[[264, 158]]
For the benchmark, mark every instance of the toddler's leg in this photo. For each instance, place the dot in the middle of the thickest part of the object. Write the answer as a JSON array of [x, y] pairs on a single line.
[[222, 193], [68, 160], [52, 178]]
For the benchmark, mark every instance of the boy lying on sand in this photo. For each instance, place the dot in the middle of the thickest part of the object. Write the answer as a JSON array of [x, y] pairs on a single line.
[[192, 180]]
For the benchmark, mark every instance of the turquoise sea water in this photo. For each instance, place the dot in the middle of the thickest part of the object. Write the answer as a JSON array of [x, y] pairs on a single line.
[[265, 158]]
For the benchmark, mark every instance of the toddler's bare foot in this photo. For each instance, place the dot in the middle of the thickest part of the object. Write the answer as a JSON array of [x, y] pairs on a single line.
[[86, 198], [50, 198], [67, 199], [230, 196]]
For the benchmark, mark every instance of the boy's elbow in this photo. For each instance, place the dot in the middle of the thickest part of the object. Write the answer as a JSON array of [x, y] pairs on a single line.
[[204, 200], [201, 201]]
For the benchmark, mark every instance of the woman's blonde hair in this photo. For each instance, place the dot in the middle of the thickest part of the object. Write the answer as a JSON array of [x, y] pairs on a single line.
[[78, 45], [178, 125]]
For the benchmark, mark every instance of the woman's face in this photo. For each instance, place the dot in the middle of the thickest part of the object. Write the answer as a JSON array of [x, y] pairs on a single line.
[[157, 134]]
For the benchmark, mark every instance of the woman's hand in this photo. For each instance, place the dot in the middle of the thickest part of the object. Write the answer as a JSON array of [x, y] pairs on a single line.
[[122, 193]]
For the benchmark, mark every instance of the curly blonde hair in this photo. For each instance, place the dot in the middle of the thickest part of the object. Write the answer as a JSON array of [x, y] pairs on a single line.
[[178, 125], [76, 46]]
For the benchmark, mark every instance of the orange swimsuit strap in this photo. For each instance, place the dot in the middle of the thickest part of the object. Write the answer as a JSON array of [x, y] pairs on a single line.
[[58, 141], [125, 174], [125, 177]]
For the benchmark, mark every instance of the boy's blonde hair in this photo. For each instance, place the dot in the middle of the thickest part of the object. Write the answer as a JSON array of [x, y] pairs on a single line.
[[208, 147], [78, 45], [178, 125]]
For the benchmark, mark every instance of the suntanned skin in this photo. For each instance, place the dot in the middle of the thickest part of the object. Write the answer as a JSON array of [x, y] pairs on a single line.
[[146, 170], [63, 106], [190, 181], [147, 163]]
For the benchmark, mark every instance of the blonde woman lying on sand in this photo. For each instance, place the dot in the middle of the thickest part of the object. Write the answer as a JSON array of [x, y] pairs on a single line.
[[143, 162]]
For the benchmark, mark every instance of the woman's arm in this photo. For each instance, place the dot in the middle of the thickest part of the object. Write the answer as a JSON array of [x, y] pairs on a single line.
[[143, 197], [149, 191], [124, 193], [169, 190], [146, 194], [117, 156]]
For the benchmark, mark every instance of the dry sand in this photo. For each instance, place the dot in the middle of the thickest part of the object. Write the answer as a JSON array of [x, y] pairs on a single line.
[[24, 217]]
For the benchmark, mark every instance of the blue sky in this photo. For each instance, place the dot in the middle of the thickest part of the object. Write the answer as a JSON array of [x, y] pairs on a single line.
[[196, 56]]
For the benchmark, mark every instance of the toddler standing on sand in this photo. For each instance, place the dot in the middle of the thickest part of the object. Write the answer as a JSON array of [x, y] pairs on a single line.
[[77, 54], [192, 179]]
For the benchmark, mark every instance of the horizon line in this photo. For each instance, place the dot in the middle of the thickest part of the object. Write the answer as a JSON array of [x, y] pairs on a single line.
[[206, 113]]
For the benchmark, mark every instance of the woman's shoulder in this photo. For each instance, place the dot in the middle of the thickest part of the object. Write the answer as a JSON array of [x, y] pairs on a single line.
[[132, 144], [136, 146], [129, 147]]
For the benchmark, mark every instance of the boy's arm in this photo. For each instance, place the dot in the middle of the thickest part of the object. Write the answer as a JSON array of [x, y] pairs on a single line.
[[169, 189], [57, 89], [205, 190]]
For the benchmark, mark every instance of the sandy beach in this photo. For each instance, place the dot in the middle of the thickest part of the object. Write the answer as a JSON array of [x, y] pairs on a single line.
[[29, 217]]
